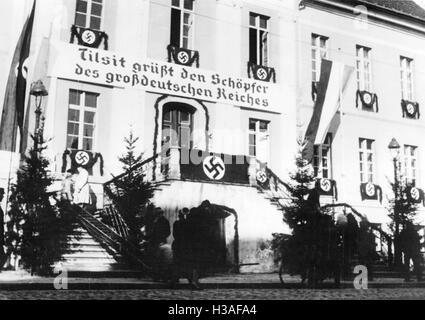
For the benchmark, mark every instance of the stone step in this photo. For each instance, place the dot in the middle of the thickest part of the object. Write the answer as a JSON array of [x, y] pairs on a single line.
[[89, 254], [89, 249], [76, 269], [116, 271], [89, 261]]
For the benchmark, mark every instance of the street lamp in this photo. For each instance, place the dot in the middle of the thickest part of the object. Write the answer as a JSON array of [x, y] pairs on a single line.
[[38, 90], [394, 148]]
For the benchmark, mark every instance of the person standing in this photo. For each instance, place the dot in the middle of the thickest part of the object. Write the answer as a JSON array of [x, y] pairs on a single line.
[[180, 245], [81, 194], [159, 252], [161, 229], [411, 247], [195, 246], [366, 247], [68, 186]]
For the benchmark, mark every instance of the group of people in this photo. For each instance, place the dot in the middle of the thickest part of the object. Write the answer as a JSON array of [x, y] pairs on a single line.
[[410, 245], [76, 188], [358, 239], [194, 249]]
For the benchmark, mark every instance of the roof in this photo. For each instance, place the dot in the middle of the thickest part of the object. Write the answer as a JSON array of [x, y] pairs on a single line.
[[405, 7]]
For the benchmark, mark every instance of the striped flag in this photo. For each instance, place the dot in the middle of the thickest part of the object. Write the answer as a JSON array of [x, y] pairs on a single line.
[[333, 81], [14, 102]]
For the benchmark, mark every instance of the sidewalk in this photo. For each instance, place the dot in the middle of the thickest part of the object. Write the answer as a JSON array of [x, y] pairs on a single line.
[[23, 281]]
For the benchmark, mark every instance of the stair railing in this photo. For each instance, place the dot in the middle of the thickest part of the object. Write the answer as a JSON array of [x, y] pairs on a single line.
[[111, 238], [278, 189], [117, 221]]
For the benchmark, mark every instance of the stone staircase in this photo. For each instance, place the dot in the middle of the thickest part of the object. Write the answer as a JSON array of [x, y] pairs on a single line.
[[98, 251], [87, 254]]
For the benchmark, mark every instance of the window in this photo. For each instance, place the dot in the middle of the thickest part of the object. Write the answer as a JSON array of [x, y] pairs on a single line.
[[406, 74], [322, 159], [258, 39], [89, 14], [258, 140], [410, 164], [81, 120], [367, 160], [364, 68], [177, 125], [319, 51], [182, 24]]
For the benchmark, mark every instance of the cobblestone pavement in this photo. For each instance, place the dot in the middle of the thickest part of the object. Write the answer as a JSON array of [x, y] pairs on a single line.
[[225, 294]]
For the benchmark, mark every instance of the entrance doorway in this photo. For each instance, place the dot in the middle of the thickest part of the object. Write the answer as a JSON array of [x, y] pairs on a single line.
[[177, 125]]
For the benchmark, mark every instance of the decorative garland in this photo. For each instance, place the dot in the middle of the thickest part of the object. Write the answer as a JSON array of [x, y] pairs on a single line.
[[314, 90], [327, 187], [370, 191], [261, 73], [410, 109], [156, 132], [82, 158], [88, 37], [207, 124], [182, 56], [362, 95]]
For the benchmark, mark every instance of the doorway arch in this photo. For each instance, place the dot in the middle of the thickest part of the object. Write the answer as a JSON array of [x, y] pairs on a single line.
[[201, 121]]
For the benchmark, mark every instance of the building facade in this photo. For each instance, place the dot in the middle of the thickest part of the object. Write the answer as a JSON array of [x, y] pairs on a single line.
[[230, 77], [382, 41]]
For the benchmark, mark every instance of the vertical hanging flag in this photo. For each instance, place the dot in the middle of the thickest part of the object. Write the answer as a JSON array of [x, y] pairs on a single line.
[[14, 102], [334, 78]]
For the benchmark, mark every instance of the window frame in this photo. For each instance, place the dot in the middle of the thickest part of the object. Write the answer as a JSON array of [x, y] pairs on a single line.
[[182, 11], [410, 172], [316, 46], [365, 174], [175, 124], [262, 52], [364, 84], [82, 108], [407, 67], [89, 15], [319, 158], [256, 133]]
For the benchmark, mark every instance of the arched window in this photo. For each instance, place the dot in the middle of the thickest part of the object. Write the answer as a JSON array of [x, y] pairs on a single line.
[[177, 125]]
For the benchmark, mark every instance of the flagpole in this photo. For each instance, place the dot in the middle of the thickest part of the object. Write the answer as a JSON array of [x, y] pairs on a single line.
[[341, 116]]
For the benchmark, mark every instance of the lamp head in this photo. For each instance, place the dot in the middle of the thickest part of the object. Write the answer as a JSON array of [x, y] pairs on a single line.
[[394, 148], [38, 89]]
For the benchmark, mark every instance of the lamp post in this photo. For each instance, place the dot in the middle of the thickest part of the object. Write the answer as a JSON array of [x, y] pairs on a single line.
[[38, 90], [394, 148]]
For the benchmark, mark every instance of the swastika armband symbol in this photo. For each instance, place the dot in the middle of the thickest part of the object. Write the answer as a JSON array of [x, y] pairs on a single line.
[[325, 185], [214, 168], [88, 37], [370, 190], [82, 158]]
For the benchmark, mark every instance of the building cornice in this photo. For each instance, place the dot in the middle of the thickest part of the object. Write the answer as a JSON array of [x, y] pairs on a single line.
[[385, 15]]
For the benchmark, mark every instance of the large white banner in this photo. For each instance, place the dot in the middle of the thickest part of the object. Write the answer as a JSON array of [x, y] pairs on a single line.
[[79, 63]]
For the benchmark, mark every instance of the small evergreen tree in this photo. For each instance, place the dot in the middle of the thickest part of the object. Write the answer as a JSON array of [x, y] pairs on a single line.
[[132, 190], [38, 228], [402, 209], [311, 249]]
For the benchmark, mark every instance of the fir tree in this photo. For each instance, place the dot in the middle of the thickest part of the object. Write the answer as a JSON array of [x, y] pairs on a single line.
[[38, 228], [133, 191], [402, 209], [311, 249], [129, 159]]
